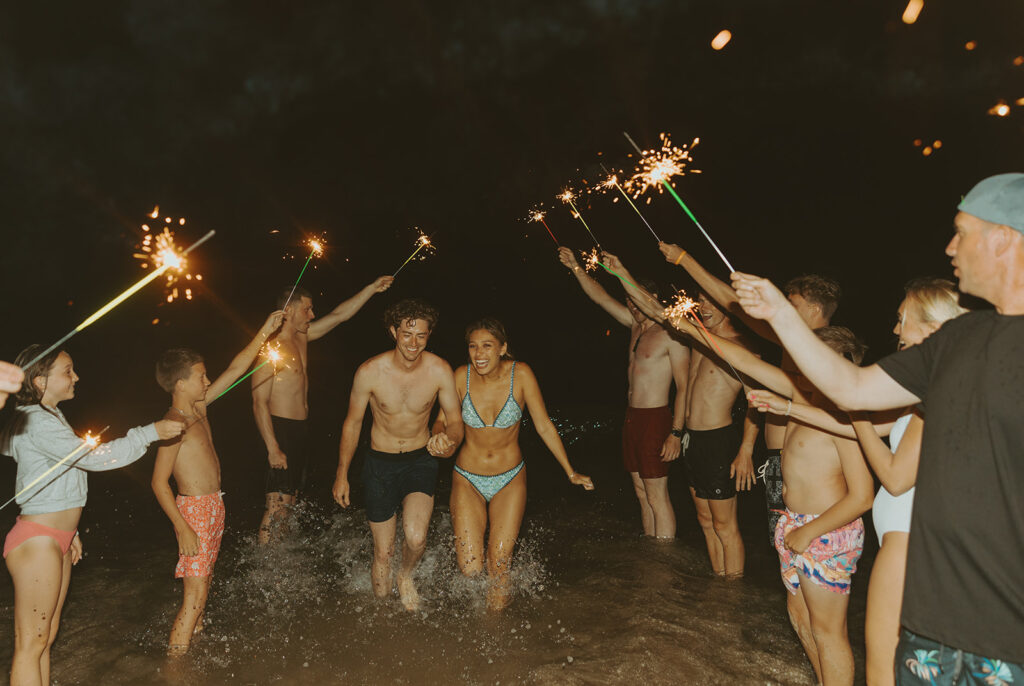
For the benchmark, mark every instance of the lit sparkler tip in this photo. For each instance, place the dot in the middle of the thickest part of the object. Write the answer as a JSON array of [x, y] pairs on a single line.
[[566, 196], [91, 440], [537, 216], [316, 247], [155, 213], [591, 260]]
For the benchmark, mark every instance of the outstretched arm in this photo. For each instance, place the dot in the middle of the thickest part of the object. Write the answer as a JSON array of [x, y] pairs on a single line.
[[593, 289], [357, 401], [766, 401], [857, 501], [546, 428], [349, 308], [849, 386], [243, 359], [898, 471], [739, 357], [719, 291]]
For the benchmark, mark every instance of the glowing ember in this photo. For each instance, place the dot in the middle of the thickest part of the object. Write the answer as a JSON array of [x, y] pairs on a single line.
[[722, 39], [1018, 60], [536, 216], [682, 307], [657, 167], [91, 440], [159, 250], [591, 260], [1000, 109], [912, 11], [970, 45], [316, 247]]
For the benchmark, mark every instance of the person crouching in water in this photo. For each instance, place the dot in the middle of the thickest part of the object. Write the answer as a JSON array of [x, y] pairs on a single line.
[[489, 483]]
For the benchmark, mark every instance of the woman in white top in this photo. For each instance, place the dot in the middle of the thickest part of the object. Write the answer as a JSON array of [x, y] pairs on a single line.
[[44, 543], [929, 303]]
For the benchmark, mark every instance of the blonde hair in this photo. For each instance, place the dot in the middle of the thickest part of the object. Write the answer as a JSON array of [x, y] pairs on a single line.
[[936, 300]]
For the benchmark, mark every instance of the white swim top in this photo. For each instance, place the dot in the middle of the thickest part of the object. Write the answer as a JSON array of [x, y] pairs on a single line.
[[892, 512]]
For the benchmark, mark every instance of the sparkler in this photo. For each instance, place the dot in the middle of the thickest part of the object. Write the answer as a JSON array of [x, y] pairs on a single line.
[[567, 196], [89, 443], [316, 249], [613, 180], [685, 307], [168, 260], [421, 243], [658, 166], [538, 216], [273, 357], [159, 248]]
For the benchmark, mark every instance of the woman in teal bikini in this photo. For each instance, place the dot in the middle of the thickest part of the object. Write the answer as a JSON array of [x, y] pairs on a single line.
[[489, 483]]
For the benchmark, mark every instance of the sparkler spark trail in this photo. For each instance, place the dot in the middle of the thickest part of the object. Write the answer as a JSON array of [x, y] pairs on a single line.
[[169, 262], [316, 249], [613, 180], [158, 249], [685, 307], [273, 357], [567, 196], [422, 242], [657, 174], [89, 443], [538, 216]]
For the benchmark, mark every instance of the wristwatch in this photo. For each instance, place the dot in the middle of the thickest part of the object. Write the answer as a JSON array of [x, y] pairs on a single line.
[[678, 433]]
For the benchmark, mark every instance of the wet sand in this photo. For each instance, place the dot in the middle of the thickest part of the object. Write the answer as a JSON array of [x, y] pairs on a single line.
[[594, 602]]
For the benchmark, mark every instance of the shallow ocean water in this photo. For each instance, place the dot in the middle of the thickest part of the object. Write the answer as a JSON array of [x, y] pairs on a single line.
[[594, 602]]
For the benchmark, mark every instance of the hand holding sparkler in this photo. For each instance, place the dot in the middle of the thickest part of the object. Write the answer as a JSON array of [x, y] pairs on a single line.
[[11, 377], [382, 283], [758, 297], [673, 253], [568, 258], [167, 429]]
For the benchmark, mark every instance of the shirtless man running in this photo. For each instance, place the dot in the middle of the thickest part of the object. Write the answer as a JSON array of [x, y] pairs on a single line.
[[651, 434], [400, 386], [279, 396]]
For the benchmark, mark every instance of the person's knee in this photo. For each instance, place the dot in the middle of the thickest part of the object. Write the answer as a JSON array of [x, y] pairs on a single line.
[[725, 528], [416, 539], [705, 520], [34, 643]]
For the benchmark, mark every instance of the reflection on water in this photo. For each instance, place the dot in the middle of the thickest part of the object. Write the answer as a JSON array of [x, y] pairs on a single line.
[[593, 602]]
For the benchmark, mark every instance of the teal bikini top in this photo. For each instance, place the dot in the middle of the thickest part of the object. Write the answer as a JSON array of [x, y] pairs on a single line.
[[509, 415]]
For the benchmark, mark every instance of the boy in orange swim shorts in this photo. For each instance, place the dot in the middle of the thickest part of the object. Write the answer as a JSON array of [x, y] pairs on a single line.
[[197, 512]]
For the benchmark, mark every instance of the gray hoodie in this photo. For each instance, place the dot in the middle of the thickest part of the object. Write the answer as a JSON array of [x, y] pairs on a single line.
[[40, 438]]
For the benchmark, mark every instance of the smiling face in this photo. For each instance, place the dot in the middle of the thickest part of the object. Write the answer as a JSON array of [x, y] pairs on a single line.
[[709, 312], [59, 383], [411, 338], [485, 351]]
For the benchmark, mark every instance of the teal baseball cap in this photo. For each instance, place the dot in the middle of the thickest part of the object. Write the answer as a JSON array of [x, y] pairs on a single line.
[[998, 199]]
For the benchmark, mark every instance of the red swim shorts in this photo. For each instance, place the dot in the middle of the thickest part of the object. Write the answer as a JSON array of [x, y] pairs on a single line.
[[643, 436], [205, 514]]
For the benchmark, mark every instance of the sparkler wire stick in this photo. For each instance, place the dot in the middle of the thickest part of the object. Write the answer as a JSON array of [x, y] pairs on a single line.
[[621, 277], [131, 290], [584, 221], [251, 372], [91, 442], [710, 340], [424, 241], [630, 201], [540, 217], [668, 187], [296, 284]]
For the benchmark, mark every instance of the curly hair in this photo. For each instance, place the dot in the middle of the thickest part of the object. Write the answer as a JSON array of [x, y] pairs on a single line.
[[408, 310], [819, 290], [843, 341], [175, 365]]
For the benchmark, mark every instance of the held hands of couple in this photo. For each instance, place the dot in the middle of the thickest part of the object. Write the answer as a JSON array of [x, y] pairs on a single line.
[[440, 445]]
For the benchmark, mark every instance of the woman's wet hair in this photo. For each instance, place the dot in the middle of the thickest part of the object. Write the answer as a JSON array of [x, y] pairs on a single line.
[[935, 300], [492, 326], [29, 394]]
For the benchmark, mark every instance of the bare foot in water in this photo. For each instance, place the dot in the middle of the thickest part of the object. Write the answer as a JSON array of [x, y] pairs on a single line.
[[408, 593]]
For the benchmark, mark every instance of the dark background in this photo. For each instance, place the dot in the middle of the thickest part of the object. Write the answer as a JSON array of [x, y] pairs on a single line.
[[362, 120]]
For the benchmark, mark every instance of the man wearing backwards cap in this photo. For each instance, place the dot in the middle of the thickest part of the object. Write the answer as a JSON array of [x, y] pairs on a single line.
[[963, 603]]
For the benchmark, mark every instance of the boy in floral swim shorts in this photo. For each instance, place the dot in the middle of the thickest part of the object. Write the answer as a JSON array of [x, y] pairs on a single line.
[[197, 512]]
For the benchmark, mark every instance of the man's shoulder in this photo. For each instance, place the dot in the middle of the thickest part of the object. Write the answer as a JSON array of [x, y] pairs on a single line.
[[436, 363]]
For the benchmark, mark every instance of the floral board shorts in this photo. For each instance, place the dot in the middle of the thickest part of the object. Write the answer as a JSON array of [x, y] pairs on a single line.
[[205, 514], [829, 561]]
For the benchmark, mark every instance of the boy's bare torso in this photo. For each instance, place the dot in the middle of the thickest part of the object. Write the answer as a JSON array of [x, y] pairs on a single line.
[[812, 474], [401, 401], [196, 468]]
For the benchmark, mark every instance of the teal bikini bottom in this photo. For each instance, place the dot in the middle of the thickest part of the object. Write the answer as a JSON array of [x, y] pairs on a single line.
[[488, 486]]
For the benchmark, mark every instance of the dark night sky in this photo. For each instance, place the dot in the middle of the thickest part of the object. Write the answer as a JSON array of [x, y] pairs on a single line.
[[362, 120]]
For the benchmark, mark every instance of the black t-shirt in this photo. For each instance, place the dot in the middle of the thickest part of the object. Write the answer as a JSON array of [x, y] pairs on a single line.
[[965, 564]]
